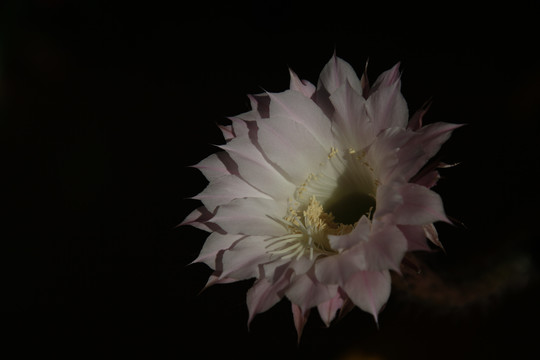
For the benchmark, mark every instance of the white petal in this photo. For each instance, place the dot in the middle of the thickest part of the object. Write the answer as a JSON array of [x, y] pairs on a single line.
[[199, 218], [421, 206], [214, 166], [225, 189], [336, 73], [383, 154], [416, 237], [353, 125], [251, 216], [337, 269], [388, 78], [385, 248], [432, 235], [241, 261], [227, 132], [296, 107], [239, 126], [213, 245], [287, 144], [359, 234], [259, 108], [255, 169], [427, 179], [260, 104], [303, 86], [215, 279], [388, 200], [274, 269], [386, 106], [408, 204]]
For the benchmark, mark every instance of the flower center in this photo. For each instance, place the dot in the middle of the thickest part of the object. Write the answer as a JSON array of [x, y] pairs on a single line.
[[328, 203], [348, 208], [308, 232]]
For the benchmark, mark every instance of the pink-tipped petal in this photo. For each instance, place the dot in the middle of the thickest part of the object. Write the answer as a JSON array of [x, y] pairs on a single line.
[[352, 122], [434, 135], [389, 78], [300, 318], [386, 107], [369, 290], [336, 73], [327, 310], [416, 237], [227, 131], [347, 306], [306, 291], [421, 206], [216, 279], [415, 122], [213, 245], [432, 235], [256, 170], [199, 218], [408, 204], [239, 127], [385, 153], [264, 294], [425, 143], [385, 248], [214, 166], [364, 82], [303, 86], [259, 108], [428, 179], [241, 260]]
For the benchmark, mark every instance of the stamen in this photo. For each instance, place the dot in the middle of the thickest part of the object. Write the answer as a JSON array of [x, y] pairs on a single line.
[[288, 249], [282, 239]]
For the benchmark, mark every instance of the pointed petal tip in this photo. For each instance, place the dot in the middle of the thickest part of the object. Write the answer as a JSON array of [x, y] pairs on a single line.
[[251, 316], [212, 280], [376, 321], [334, 56], [456, 222], [444, 218], [397, 270], [187, 221], [300, 318]]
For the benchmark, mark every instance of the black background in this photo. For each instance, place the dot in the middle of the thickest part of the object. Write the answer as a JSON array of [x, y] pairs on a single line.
[[105, 105]]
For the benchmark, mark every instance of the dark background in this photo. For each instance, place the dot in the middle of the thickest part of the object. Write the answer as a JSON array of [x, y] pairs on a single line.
[[105, 105]]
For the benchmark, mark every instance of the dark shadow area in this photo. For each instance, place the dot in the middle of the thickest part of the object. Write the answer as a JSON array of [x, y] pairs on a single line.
[[350, 208], [104, 106]]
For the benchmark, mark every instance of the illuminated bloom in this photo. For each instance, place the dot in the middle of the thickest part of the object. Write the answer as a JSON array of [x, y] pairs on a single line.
[[319, 192]]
